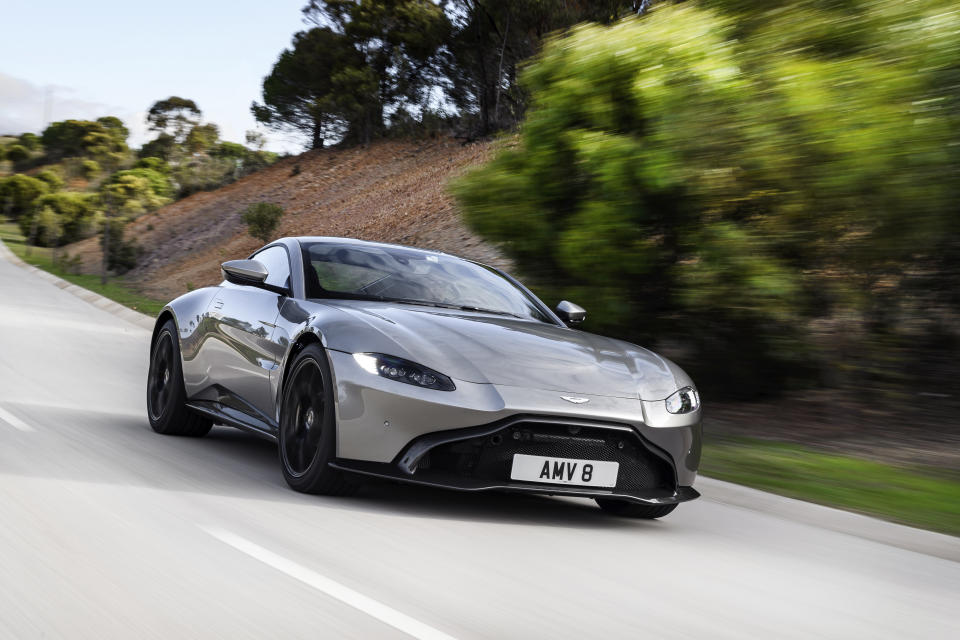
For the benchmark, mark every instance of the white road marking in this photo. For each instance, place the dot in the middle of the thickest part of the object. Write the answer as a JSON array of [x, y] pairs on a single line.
[[330, 587], [14, 421]]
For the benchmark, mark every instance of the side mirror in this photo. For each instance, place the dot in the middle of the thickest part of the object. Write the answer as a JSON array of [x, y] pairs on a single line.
[[248, 272], [571, 313]]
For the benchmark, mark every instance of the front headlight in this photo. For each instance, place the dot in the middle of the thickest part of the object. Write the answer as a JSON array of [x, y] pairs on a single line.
[[402, 370], [683, 401]]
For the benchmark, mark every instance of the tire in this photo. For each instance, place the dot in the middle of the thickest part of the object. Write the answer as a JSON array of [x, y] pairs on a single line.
[[308, 427], [166, 396], [626, 509]]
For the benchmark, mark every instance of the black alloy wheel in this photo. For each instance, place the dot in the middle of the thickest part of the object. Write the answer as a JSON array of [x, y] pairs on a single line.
[[307, 439]]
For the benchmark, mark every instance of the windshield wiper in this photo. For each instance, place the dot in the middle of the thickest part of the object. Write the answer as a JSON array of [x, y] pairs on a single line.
[[446, 305]]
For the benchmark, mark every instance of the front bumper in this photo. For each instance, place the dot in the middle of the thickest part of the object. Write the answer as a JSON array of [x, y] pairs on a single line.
[[480, 459], [379, 420]]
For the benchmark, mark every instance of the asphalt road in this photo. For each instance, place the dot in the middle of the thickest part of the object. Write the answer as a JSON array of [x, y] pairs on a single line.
[[108, 530]]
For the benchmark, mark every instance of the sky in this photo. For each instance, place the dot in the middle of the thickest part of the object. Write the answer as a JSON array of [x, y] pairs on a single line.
[[111, 57]]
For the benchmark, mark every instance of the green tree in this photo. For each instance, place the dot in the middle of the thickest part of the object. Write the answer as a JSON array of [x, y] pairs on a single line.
[[75, 217], [135, 191], [706, 175], [30, 140], [52, 178], [298, 94], [174, 117], [103, 140], [122, 254], [164, 146], [90, 168], [262, 219], [20, 192], [202, 137], [17, 153]]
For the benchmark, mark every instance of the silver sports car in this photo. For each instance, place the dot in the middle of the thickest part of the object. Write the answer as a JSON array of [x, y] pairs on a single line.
[[366, 359]]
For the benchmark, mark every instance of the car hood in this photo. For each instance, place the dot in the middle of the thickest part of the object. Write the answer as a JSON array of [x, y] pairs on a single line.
[[485, 348]]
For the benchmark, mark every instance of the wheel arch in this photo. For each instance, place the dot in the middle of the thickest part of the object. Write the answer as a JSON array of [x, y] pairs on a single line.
[[309, 335]]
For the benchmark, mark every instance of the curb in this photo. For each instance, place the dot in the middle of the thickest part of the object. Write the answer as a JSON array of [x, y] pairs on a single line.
[[854, 524], [105, 304]]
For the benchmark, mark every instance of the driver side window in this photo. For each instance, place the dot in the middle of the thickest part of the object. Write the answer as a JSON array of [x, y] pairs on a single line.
[[277, 262]]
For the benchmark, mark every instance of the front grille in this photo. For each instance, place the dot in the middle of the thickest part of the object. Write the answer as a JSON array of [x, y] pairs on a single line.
[[490, 457]]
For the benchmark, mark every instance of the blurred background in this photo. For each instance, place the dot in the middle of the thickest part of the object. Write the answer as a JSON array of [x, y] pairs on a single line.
[[765, 191]]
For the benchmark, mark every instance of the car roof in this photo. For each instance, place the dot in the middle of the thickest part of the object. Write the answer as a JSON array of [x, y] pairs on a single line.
[[367, 243]]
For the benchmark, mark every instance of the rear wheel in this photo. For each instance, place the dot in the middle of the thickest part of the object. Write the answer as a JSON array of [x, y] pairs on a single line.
[[166, 397], [633, 510], [308, 438]]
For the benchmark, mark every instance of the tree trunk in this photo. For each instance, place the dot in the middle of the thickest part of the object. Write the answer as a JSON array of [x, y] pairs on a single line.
[[496, 100], [317, 142]]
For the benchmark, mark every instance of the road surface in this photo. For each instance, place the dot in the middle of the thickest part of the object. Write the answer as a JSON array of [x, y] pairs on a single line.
[[108, 530]]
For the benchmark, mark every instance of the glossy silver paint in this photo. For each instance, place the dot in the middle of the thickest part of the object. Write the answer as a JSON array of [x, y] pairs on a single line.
[[236, 341]]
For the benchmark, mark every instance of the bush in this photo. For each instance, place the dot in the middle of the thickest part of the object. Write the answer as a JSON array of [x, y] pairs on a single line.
[[52, 178], [76, 213], [706, 177], [155, 164], [90, 169], [122, 254], [17, 153], [18, 193], [30, 140], [262, 219], [136, 191]]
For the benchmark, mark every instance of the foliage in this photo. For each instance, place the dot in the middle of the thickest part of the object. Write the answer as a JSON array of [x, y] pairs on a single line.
[[262, 219], [52, 178], [153, 163], [18, 193], [135, 191], [163, 147], [202, 137], [174, 117], [297, 95], [90, 168], [75, 214], [122, 254], [30, 140], [103, 140], [17, 153], [704, 177]]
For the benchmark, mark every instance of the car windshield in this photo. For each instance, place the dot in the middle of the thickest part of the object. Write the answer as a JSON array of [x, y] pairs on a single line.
[[397, 274]]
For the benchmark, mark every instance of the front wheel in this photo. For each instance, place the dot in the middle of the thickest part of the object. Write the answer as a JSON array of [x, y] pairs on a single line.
[[633, 510], [308, 438]]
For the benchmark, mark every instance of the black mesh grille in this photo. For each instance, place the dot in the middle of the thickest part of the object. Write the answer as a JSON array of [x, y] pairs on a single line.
[[491, 457]]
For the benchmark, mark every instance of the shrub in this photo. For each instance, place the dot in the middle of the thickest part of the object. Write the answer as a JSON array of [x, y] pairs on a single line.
[[17, 153], [122, 254], [75, 213], [52, 178], [262, 219], [90, 169], [707, 177], [18, 193]]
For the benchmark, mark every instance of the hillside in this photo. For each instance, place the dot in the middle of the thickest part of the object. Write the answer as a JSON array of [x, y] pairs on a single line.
[[390, 191]]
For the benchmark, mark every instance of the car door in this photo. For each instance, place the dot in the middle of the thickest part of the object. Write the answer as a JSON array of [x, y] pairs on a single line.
[[242, 351]]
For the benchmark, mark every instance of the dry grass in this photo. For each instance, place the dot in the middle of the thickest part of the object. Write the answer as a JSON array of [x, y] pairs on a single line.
[[390, 191]]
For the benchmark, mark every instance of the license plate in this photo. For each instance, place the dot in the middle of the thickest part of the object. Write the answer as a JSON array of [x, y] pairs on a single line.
[[590, 473]]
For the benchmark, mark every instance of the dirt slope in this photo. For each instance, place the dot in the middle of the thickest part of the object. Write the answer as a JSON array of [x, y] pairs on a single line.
[[390, 191]]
